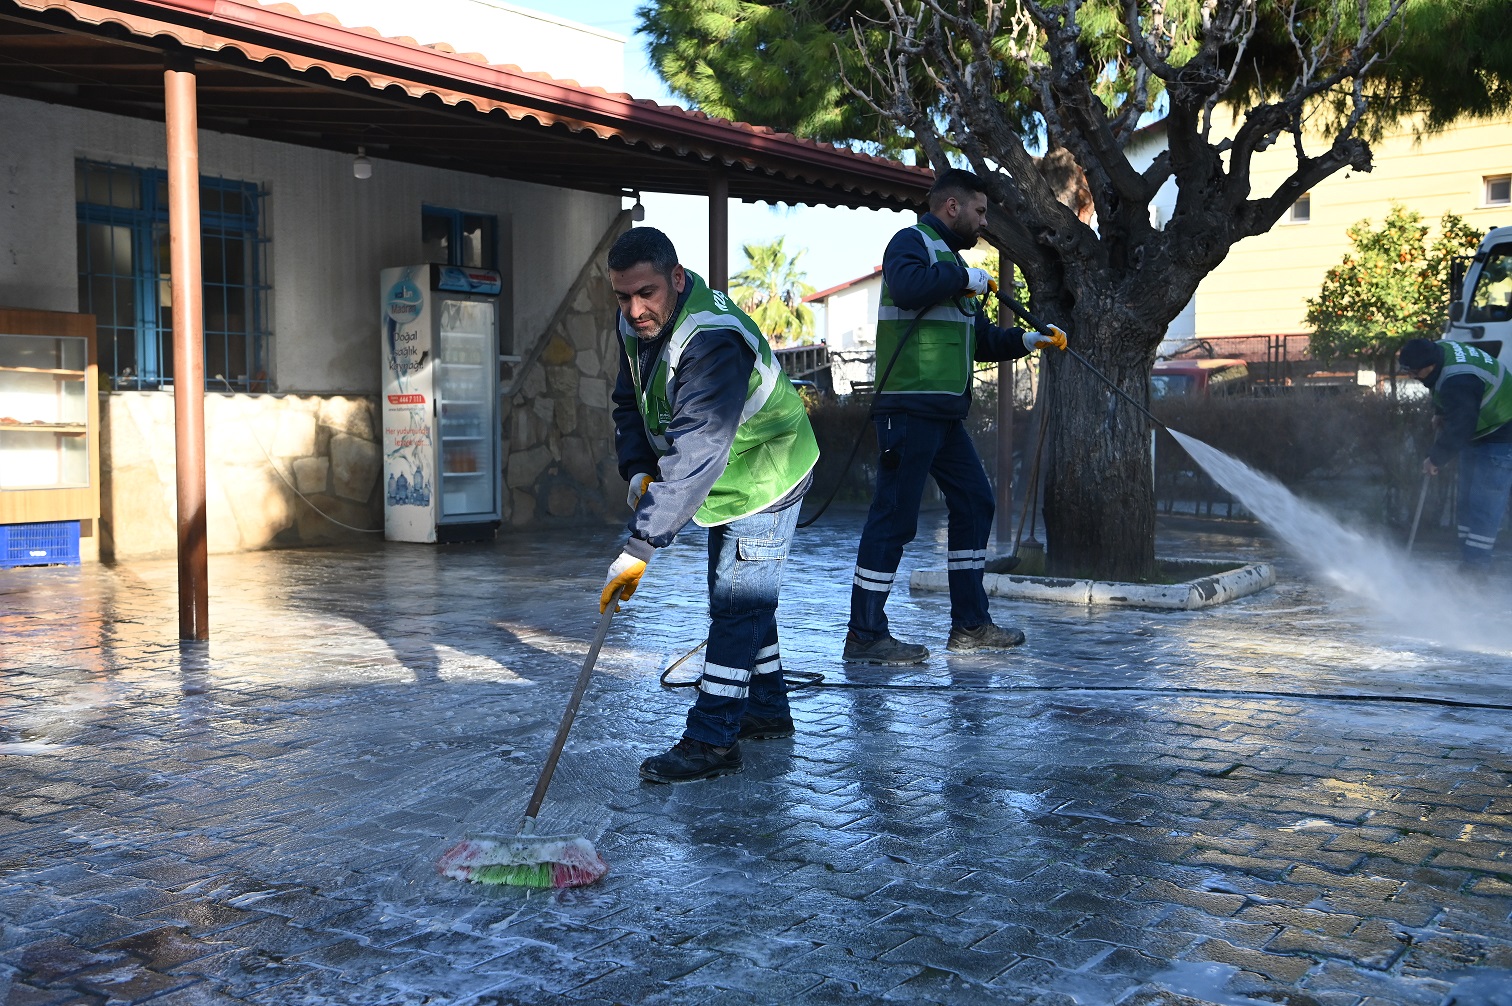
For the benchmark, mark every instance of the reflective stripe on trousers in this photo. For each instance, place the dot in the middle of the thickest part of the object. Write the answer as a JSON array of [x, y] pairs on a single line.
[[914, 449], [1485, 479], [743, 665]]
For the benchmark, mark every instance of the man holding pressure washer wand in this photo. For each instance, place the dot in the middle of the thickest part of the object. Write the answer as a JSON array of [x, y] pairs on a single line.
[[929, 330]]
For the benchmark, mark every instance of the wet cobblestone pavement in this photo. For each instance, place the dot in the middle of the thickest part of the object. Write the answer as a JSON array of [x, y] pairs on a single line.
[[1272, 801]]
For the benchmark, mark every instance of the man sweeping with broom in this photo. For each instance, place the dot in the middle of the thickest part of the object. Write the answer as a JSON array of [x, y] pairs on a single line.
[[708, 428]]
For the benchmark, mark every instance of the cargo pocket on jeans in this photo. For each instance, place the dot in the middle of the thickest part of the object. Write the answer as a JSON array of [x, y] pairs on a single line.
[[761, 548]]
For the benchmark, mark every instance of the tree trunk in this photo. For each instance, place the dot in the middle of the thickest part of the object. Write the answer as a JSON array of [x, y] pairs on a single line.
[[1099, 489]]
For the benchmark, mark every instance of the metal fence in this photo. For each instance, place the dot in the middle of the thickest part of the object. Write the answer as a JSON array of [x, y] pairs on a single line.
[[1275, 362], [807, 363]]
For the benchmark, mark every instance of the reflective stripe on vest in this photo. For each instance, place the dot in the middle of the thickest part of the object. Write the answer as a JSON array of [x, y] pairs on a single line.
[[774, 447], [1496, 396], [937, 357]]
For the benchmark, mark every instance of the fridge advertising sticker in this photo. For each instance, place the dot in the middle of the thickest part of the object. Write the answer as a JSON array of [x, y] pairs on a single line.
[[460, 279], [409, 497]]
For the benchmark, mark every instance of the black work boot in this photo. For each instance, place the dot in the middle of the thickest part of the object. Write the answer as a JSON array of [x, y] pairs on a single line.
[[885, 650], [690, 759], [763, 728]]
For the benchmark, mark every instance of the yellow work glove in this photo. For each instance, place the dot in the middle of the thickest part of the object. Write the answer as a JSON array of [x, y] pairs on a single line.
[[638, 483], [1035, 340], [625, 573]]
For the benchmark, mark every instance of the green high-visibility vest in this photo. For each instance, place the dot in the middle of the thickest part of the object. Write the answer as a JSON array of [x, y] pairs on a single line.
[[937, 357], [1496, 397], [774, 447]]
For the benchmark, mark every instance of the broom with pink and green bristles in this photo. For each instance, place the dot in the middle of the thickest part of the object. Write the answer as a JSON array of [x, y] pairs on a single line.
[[528, 860]]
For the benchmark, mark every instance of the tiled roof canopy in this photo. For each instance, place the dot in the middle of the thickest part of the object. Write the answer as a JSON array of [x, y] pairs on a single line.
[[271, 72]]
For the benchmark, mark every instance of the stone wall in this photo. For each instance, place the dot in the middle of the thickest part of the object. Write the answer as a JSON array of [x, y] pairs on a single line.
[[559, 425], [258, 450]]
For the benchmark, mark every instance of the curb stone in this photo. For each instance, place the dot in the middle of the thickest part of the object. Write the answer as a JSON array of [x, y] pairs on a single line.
[[1202, 592]]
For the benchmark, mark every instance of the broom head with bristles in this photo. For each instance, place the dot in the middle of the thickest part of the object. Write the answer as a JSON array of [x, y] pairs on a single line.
[[524, 861]]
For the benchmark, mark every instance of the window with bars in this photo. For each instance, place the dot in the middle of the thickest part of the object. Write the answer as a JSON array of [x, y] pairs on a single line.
[[124, 276], [455, 237]]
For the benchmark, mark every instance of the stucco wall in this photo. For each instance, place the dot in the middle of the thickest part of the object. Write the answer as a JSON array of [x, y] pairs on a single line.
[[330, 234], [294, 470], [1263, 285]]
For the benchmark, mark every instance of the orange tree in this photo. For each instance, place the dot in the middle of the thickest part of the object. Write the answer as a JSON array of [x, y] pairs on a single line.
[[1393, 286]]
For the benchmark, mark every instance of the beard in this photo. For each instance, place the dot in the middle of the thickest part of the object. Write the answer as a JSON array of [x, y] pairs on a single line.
[[966, 231]]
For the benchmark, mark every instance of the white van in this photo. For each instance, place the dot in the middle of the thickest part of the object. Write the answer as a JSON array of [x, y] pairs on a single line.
[[1481, 311]]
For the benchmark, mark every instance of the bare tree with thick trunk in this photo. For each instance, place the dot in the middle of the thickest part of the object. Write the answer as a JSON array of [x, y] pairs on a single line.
[[1116, 284]]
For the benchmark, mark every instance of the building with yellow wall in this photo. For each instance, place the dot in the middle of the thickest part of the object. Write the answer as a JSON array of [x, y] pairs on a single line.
[[1263, 286]]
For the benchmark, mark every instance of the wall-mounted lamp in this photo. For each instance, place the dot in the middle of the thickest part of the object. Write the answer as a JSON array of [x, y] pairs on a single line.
[[362, 167]]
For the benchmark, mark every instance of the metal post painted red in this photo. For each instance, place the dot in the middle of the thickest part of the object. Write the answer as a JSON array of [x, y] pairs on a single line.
[[188, 345], [719, 231]]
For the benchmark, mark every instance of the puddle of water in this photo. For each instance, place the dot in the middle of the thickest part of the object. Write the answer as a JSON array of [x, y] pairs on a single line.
[[28, 748], [1414, 598]]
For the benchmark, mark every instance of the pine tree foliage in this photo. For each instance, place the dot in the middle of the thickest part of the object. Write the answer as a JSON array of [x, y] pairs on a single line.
[[782, 63], [786, 63], [1392, 287], [1452, 58], [771, 289]]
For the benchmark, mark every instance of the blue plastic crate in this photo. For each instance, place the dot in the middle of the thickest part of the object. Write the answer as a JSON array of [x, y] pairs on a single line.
[[50, 543]]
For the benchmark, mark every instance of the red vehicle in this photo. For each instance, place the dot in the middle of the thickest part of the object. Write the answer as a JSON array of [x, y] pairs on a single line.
[[1199, 378]]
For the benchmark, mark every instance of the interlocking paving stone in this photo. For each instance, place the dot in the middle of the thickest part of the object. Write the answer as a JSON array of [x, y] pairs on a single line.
[[256, 820]]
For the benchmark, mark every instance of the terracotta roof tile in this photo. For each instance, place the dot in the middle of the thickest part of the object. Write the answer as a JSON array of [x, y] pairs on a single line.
[[263, 31]]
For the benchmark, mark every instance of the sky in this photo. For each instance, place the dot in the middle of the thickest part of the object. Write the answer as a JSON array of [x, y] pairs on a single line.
[[838, 244]]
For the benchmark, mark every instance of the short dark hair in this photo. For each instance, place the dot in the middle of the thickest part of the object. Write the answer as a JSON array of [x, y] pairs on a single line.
[[954, 183], [1419, 353], [643, 244]]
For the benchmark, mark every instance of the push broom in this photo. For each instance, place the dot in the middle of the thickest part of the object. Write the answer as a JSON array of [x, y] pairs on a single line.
[[527, 859]]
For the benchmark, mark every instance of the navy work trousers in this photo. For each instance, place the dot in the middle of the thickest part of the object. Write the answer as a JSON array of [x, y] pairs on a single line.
[[913, 448], [1485, 479], [742, 666]]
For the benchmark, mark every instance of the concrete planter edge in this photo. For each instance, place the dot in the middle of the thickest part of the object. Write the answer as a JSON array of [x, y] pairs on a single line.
[[1201, 592]]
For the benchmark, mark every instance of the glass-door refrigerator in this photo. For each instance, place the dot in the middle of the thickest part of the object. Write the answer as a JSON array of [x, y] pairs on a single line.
[[442, 472]]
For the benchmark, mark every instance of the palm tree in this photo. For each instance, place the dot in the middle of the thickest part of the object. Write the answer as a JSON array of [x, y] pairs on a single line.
[[771, 290]]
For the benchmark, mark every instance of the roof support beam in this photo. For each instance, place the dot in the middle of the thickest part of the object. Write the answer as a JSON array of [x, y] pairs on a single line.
[[719, 230], [188, 345]]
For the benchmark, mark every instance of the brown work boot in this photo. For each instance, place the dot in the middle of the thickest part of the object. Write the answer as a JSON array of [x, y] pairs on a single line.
[[983, 637]]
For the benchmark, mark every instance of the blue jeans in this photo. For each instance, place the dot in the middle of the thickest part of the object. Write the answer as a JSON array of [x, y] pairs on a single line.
[[912, 449], [1485, 478], [742, 666]]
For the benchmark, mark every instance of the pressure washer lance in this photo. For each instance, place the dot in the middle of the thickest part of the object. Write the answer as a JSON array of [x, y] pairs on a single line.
[[1040, 326], [1422, 495]]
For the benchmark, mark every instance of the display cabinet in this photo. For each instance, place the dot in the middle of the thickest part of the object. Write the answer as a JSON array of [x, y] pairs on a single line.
[[49, 418]]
